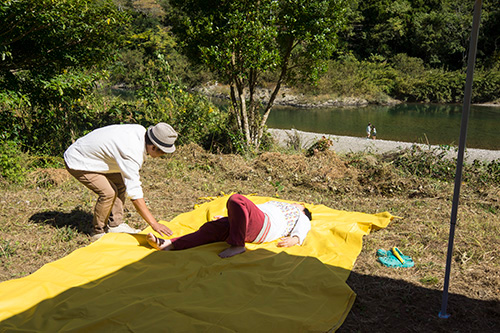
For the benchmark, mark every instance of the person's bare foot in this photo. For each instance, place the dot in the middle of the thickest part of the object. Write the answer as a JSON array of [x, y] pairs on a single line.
[[159, 243], [232, 251]]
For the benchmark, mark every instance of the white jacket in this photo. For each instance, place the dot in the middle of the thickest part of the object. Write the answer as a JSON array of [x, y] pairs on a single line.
[[111, 149]]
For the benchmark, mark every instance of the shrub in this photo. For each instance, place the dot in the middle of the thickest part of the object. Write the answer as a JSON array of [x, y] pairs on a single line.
[[433, 163], [321, 145], [12, 162], [351, 77], [430, 163], [486, 86]]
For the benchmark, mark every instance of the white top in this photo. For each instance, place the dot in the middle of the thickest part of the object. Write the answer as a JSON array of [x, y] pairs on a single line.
[[278, 223], [111, 149]]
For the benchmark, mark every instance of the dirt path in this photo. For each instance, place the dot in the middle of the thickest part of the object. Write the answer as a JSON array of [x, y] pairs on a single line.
[[346, 144]]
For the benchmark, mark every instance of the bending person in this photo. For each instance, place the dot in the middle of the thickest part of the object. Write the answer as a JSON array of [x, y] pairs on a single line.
[[107, 161], [246, 222]]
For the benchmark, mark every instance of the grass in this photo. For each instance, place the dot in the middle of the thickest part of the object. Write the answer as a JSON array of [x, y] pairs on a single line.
[[43, 221]]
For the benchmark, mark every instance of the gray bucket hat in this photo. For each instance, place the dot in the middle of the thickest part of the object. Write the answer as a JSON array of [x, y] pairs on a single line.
[[163, 136]]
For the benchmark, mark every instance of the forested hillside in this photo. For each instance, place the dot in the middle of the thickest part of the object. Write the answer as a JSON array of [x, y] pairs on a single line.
[[70, 66]]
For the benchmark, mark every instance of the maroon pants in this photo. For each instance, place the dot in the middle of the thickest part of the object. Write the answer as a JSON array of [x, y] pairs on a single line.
[[243, 224]]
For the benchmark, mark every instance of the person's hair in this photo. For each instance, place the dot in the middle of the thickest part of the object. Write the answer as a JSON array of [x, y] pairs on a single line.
[[308, 214], [148, 140]]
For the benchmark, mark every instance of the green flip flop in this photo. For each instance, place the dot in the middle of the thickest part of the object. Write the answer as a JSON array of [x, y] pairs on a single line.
[[388, 259]]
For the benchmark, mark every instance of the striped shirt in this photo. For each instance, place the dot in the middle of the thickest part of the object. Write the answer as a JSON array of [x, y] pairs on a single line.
[[282, 219]]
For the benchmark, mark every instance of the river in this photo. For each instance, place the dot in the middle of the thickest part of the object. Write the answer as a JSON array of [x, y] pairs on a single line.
[[417, 123]]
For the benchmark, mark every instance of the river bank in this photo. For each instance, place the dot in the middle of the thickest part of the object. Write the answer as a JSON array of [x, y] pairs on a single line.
[[347, 144], [292, 98]]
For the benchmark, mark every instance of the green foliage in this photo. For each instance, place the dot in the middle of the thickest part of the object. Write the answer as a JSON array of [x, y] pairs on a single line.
[[404, 78], [483, 172], [433, 163], [321, 145], [7, 248], [438, 85], [66, 233], [50, 79], [429, 280], [46, 48], [242, 40], [12, 165], [430, 163], [47, 127], [16, 165], [143, 50], [193, 116], [46, 36], [278, 188], [434, 85], [486, 85], [435, 31], [68, 105], [349, 76], [224, 138]]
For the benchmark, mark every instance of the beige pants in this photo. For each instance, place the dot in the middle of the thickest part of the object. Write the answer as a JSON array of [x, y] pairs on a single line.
[[111, 191]]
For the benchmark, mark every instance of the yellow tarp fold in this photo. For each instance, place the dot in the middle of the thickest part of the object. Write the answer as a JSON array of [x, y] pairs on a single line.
[[120, 284]]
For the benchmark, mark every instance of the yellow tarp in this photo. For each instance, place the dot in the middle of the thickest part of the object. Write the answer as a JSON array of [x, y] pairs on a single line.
[[120, 284]]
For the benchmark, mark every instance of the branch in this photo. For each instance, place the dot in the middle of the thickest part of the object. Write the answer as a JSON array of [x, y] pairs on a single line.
[[15, 25], [25, 34]]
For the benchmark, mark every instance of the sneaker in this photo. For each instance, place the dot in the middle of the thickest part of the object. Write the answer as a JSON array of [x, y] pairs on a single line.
[[125, 228], [96, 236]]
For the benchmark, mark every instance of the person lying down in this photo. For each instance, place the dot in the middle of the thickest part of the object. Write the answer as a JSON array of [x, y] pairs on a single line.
[[246, 222]]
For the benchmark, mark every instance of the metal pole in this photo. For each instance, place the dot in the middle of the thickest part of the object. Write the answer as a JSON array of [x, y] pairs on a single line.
[[461, 149]]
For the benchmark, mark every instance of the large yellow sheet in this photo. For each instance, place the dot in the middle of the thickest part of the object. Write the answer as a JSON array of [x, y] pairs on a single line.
[[120, 284]]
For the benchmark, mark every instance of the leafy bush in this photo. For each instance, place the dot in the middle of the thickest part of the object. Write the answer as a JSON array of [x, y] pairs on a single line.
[[405, 78], [321, 145], [426, 163], [414, 82], [433, 163], [351, 77], [483, 172], [486, 86], [71, 105], [12, 162]]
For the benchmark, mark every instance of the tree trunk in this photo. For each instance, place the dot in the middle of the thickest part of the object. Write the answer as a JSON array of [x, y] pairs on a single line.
[[284, 71]]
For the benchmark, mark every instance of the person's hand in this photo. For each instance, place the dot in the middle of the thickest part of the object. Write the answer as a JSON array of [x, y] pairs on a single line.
[[288, 241], [162, 229]]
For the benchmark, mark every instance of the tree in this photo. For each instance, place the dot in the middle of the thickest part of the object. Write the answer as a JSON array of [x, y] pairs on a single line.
[[47, 35], [47, 48], [42, 39], [437, 31], [241, 40]]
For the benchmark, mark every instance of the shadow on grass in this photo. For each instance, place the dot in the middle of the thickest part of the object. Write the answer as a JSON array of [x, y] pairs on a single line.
[[194, 290], [388, 305], [77, 219]]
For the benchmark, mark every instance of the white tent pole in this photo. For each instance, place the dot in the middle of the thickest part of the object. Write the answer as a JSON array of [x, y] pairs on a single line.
[[461, 148]]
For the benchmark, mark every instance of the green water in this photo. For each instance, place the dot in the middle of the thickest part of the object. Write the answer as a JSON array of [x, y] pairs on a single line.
[[421, 123]]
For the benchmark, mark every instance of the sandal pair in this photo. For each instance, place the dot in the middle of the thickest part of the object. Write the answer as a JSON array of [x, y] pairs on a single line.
[[394, 258]]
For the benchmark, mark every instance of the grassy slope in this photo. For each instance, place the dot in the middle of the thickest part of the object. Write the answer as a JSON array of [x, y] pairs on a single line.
[[50, 217]]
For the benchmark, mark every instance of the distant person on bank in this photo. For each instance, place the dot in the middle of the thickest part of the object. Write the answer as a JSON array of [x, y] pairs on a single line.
[[374, 133], [368, 130], [107, 161]]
